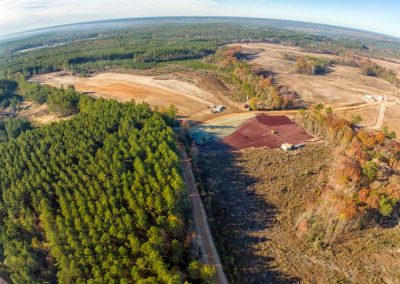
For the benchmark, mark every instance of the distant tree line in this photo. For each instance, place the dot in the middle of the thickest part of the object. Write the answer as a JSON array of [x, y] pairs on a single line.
[[64, 101], [309, 65], [8, 93], [312, 65], [372, 69], [142, 47], [13, 127]]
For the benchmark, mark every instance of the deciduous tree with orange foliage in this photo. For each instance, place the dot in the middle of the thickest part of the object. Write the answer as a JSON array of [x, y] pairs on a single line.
[[364, 179], [251, 80]]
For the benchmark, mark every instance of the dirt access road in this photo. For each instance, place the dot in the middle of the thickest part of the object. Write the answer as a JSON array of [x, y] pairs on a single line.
[[380, 117], [207, 246]]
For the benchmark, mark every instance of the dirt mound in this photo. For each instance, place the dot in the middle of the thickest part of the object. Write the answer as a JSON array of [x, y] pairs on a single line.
[[266, 131], [212, 84], [205, 81]]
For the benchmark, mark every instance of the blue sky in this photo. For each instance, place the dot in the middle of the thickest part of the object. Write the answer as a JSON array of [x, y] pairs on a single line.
[[380, 15]]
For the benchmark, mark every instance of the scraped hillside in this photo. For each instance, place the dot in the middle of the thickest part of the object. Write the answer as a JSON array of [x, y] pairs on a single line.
[[192, 94]]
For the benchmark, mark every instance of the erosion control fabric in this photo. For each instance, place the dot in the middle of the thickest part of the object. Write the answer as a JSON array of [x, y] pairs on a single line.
[[266, 131]]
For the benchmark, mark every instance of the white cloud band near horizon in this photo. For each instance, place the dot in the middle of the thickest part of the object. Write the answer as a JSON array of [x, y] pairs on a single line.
[[20, 15]]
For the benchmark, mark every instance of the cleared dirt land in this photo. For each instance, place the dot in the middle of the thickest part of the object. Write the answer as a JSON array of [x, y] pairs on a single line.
[[38, 114], [368, 114], [191, 101], [254, 198], [344, 85], [392, 118]]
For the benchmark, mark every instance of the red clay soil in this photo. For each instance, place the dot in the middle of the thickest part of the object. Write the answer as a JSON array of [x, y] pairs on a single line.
[[266, 131]]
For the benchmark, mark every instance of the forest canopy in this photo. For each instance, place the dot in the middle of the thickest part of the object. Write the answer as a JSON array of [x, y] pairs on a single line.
[[8, 96], [97, 198]]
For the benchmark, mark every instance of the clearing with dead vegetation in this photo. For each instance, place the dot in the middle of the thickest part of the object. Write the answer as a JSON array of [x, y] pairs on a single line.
[[254, 197], [344, 85], [39, 115]]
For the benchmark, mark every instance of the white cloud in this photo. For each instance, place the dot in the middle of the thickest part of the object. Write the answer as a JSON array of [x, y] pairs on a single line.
[[17, 15], [27, 14]]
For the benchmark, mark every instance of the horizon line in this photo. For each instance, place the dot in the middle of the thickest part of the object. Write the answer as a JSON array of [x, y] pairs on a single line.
[[5, 36]]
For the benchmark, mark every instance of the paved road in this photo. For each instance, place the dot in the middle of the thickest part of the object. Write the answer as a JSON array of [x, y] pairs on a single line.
[[207, 246]]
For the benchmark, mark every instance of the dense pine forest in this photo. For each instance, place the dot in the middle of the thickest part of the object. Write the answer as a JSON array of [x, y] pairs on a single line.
[[97, 198], [8, 93]]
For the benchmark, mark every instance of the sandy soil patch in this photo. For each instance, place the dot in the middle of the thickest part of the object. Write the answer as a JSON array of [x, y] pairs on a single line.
[[279, 50], [368, 115], [191, 101], [394, 64], [392, 118], [39, 115], [343, 86]]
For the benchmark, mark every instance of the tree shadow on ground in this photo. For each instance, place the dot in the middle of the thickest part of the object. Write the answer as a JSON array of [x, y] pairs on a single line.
[[238, 216], [386, 222]]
